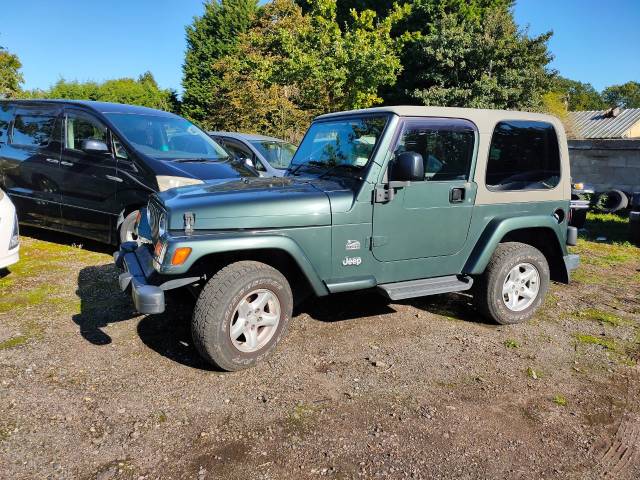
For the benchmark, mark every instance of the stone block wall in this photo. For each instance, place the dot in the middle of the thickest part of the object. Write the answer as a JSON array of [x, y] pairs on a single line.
[[606, 164]]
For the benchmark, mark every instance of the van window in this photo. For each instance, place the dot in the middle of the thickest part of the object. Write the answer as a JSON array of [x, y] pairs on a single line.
[[446, 146], [523, 155], [32, 129], [80, 128], [5, 120]]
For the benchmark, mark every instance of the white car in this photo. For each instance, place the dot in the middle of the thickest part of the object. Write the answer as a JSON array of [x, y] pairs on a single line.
[[9, 238]]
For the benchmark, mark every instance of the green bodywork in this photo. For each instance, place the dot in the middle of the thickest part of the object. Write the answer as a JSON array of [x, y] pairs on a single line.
[[319, 223]]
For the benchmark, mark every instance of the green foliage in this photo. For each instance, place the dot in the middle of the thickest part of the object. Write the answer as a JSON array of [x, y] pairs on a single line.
[[577, 95], [626, 95], [560, 400], [10, 75], [470, 54], [210, 38], [144, 91], [289, 67], [510, 343]]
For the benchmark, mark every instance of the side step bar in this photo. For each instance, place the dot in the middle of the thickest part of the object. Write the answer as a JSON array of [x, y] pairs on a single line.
[[424, 287]]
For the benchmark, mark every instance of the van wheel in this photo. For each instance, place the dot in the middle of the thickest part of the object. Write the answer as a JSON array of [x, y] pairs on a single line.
[[127, 229], [514, 283], [241, 315]]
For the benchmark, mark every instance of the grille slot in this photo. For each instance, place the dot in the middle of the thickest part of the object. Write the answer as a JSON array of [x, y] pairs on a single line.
[[155, 212]]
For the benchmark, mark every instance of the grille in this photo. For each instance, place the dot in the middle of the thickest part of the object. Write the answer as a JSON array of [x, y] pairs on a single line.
[[155, 212]]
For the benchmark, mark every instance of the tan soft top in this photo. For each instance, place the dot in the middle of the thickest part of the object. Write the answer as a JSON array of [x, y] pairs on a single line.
[[485, 119]]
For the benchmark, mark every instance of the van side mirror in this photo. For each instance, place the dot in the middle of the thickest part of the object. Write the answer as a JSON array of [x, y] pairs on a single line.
[[407, 167], [91, 145]]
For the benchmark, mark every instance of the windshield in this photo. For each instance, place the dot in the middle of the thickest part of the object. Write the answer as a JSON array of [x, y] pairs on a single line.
[[166, 137], [347, 143], [278, 154]]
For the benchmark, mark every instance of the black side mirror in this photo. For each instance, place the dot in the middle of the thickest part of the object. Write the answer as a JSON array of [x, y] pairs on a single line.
[[91, 145], [407, 167]]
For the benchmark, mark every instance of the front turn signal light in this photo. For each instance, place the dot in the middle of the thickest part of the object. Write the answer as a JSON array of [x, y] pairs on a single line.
[[180, 255]]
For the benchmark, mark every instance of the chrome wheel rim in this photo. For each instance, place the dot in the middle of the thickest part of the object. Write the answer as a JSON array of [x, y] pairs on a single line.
[[255, 320], [521, 287]]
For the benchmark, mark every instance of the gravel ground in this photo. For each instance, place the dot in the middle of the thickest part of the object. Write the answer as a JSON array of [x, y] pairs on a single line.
[[360, 388]]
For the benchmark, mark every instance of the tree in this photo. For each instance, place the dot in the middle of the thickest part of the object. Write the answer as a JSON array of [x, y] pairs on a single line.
[[10, 75], [211, 37], [290, 66], [470, 53], [626, 95], [144, 92], [577, 96]]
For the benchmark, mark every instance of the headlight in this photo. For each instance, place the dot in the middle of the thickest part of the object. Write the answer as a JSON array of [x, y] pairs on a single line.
[[165, 182], [162, 225], [15, 236]]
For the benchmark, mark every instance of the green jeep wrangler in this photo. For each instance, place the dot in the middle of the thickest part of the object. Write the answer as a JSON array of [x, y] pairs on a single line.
[[410, 201]]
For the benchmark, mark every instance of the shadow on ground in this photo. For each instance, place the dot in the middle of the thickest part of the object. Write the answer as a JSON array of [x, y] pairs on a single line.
[[102, 303], [66, 239]]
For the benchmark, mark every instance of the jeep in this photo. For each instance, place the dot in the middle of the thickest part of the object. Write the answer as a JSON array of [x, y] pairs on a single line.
[[410, 201]]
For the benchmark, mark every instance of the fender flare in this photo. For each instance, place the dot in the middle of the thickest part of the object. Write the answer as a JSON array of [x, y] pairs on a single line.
[[228, 243], [495, 231]]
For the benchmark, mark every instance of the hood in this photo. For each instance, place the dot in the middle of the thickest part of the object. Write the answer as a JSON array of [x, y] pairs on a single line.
[[212, 170], [252, 203]]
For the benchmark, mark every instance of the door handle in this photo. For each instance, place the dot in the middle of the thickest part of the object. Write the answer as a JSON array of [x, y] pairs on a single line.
[[66, 164], [53, 160], [456, 195], [115, 179]]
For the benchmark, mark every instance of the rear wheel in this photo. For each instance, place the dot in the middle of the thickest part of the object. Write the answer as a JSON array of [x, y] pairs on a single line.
[[514, 283], [241, 315]]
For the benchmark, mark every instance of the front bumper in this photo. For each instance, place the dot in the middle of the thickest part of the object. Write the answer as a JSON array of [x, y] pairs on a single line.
[[137, 263]]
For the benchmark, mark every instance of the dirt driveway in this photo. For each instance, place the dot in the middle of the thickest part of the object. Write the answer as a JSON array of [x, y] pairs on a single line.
[[360, 388]]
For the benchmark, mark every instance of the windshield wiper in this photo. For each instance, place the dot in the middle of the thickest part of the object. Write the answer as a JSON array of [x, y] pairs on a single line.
[[340, 166], [312, 163], [198, 160]]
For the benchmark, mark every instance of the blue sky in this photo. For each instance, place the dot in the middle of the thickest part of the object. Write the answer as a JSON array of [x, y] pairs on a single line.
[[594, 41]]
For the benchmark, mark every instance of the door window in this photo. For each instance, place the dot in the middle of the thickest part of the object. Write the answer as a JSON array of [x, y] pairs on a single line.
[[523, 156], [81, 128], [5, 120], [446, 146], [33, 129]]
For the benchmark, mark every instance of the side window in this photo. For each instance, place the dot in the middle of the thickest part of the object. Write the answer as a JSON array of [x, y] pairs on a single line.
[[523, 156], [118, 148], [446, 146], [32, 129], [82, 127], [6, 113]]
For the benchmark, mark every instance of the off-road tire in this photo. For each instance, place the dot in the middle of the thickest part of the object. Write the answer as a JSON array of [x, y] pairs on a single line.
[[215, 307], [487, 293]]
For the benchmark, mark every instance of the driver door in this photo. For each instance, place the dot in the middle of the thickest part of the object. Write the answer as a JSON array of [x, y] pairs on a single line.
[[429, 218], [90, 178]]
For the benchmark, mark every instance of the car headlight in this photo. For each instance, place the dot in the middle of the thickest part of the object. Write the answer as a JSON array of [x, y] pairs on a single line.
[[162, 225], [15, 236], [165, 182]]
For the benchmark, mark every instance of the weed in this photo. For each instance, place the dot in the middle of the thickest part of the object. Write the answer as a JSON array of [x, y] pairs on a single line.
[[560, 400], [509, 343], [534, 374], [606, 343], [14, 342], [602, 317]]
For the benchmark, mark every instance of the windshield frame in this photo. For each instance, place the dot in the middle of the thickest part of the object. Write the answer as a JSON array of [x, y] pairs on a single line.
[[347, 116], [109, 116]]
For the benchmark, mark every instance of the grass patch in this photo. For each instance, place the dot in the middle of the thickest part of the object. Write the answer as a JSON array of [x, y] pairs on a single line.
[[606, 343], [560, 400], [610, 225], [14, 342], [510, 343], [301, 415], [602, 317], [32, 297], [30, 331]]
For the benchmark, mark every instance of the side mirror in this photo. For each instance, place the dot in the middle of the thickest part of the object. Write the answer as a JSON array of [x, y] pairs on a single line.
[[407, 167], [91, 145]]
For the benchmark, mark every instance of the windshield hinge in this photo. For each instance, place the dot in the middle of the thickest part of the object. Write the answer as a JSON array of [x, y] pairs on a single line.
[[383, 194]]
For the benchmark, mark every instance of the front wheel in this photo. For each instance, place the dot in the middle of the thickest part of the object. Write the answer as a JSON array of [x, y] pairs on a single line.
[[241, 315], [514, 283]]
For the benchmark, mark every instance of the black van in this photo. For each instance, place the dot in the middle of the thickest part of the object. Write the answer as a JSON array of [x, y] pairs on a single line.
[[86, 167]]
